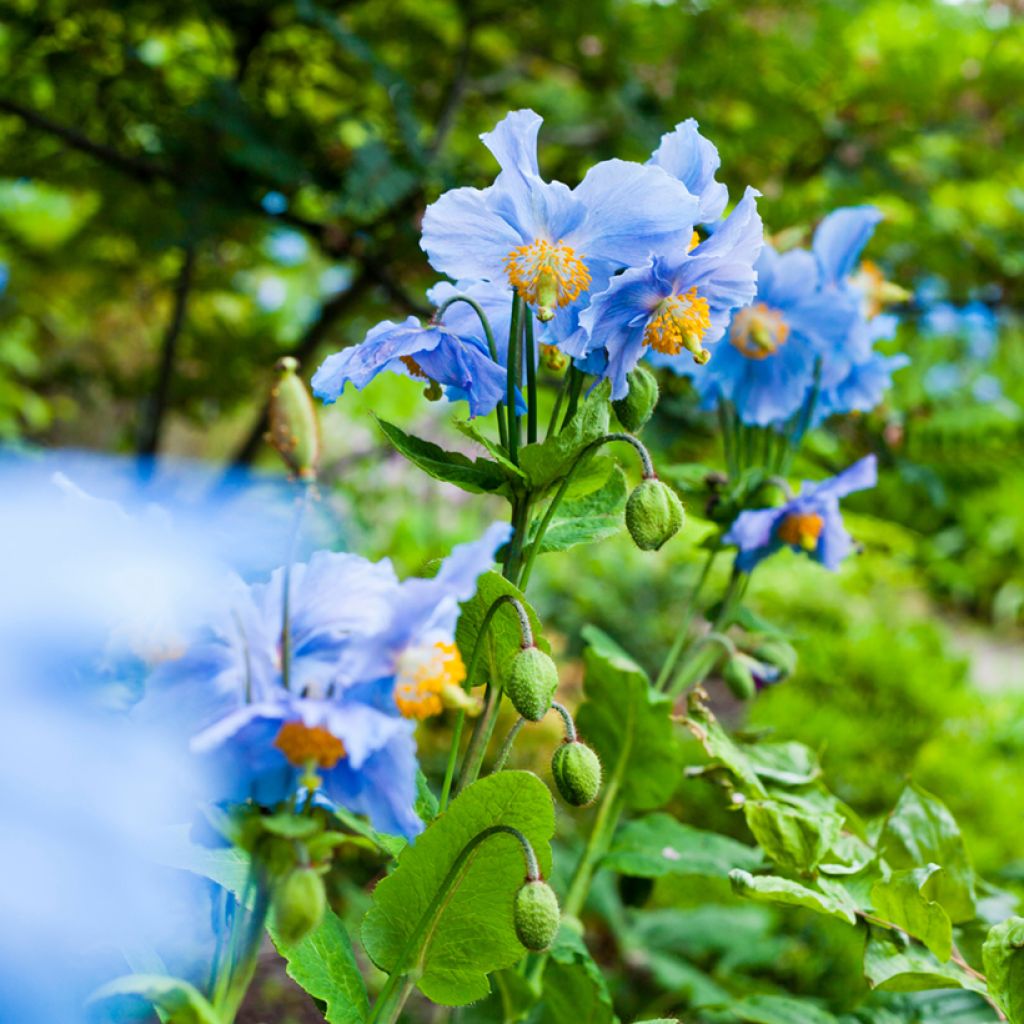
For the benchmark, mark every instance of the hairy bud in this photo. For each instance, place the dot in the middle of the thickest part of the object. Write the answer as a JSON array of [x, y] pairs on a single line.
[[299, 904], [536, 915], [532, 683], [294, 428], [654, 514], [637, 407], [577, 773]]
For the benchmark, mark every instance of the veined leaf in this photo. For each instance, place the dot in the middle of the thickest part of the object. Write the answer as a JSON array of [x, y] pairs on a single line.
[[825, 898], [469, 934], [780, 1010], [718, 745], [893, 963], [904, 900], [793, 839], [590, 518], [494, 450], [1004, 967]]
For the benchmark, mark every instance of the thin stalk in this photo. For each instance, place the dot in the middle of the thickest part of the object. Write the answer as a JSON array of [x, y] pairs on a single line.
[[728, 443], [506, 747], [684, 629], [553, 421], [512, 377], [575, 387], [530, 355], [286, 584]]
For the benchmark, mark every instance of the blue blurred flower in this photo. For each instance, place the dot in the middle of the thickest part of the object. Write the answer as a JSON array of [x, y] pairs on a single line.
[[766, 365], [942, 380], [810, 523], [554, 244], [433, 354], [676, 305], [692, 159], [368, 655]]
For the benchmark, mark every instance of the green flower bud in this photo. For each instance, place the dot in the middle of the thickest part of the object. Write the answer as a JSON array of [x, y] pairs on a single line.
[[577, 773], [299, 904], [739, 678], [777, 653], [636, 408], [654, 514], [294, 428], [532, 683], [536, 915]]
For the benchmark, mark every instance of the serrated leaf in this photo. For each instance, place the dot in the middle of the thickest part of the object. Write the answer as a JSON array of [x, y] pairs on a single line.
[[628, 724], [895, 964], [903, 900], [471, 933], [1003, 954], [719, 746], [548, 461], [659, 845], [780, 1010], [504, 636], [795, 840], [179, 1000], [825, 898], [478, 476], [323, 964], [921, 831]]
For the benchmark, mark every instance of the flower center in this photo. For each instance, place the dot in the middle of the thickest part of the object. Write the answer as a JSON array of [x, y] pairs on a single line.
[[433, 390], [424, 674], [547, 275], [305, 744], [694, 241], [801, 529], [758, 331], [679, 322]]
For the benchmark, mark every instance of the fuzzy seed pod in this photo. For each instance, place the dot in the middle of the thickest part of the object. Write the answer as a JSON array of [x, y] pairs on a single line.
[[577, 773], [654, 514], [532, 683], [294, 427], [536, 915], [299, 904], [637, 407]]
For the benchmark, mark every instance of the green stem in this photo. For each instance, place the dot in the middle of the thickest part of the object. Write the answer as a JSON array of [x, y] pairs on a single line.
[[684, 628], [506, 747], [553, 421], [286, 583], [575, 387], [512, 377], [728, 442], [530, 354]]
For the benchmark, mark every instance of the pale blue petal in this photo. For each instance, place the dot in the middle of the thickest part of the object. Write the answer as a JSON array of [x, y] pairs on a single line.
[[841, 237], [686, 155]]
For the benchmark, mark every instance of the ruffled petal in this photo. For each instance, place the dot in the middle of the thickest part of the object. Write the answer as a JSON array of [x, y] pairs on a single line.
[[841, 237], [686, 155], [862, 475]]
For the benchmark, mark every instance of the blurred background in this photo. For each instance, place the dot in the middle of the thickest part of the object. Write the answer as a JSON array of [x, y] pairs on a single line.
[[189, 191]]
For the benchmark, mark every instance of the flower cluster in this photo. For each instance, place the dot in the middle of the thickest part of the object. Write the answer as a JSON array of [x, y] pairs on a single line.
[[336, 701]]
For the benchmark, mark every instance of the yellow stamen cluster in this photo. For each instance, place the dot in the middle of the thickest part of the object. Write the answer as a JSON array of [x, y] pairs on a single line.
[[679, 322], [547, 276], [309, 744], [877, 291], [758, 331], [424, 675], [695, 240], [801, 529]]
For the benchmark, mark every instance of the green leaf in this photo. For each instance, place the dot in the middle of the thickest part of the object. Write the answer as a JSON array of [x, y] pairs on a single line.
[[903, 899], [659, 845], [793, 839], [290, 826], [471, 933], [504, 636], [1003, 953], [496, 451], [921, 831], [780, 1010], [825, 898], [323, 964], [548, 461], [180, 1001], [719, 746], [574, 986], [590, 518], [426, 802], [628, 724], [479, 476], [788, 764], [892, 963]]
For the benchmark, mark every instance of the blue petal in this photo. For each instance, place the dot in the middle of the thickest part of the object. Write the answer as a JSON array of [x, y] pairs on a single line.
[[687, 155], [858, 477], [841, 238], [753, 533]]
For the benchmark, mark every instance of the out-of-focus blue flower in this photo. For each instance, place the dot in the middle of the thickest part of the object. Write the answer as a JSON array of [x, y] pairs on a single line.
[[987, 389], [368, 654], [840, 239], [5, 276], [765, 366], [287, 247], [810, 522], [687, 155], [942, 379], [554, 244], [975, 324], [433, 354], [275, 203], [675, 306]]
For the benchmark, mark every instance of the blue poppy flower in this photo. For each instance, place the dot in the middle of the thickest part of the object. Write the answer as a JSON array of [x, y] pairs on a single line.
[[554, 244], [687, 155], [369, 655], [810, 523], [765, 366], [676, 305], [433, 354]]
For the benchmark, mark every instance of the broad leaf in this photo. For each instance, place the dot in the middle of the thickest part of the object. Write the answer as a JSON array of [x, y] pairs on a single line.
[[323, 964], [793, 839], [893, 963], [496, 452], [175, 998], [788, 764], [921, 831], [460, 936], [659, 845], [719, 746], [574, 986], [904, 900], [825, 898], [628, 724], [1004, 967], [479, 476], [780, 1010], [589, 518]]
